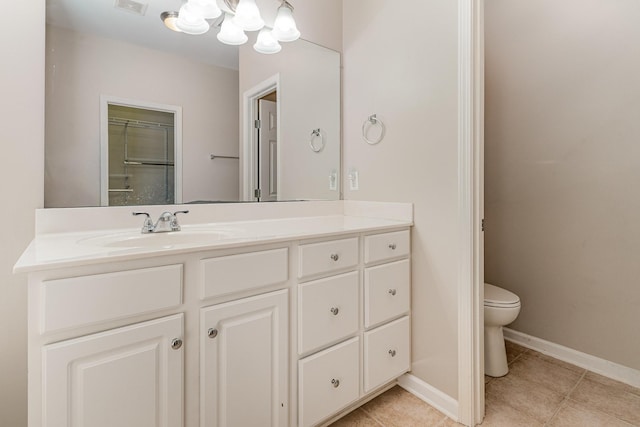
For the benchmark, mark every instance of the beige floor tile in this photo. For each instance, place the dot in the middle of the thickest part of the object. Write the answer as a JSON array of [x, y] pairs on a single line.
[[525, 396], [514, 350], [610, 399], [399, 408], [500, 414], [448, 422], [573, 415], [550, 359], [612, 383], [553, 376], [357, 418]]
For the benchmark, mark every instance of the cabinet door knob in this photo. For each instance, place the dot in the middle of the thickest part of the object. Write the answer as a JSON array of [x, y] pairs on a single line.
[[176, 343], [335, 382], [392, 353], [335, 257], [335, 310], [212, 333], [392, 292], [392, 246]]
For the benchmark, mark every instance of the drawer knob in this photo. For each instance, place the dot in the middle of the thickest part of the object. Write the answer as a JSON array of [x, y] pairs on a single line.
[[176, 343], [392, 246], [335, 311], [392, 292], [212, 333], [392, 353], [335, 257], [335, 382]]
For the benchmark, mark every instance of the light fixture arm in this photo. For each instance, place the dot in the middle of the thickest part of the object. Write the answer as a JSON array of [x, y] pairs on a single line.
[[231, 4]]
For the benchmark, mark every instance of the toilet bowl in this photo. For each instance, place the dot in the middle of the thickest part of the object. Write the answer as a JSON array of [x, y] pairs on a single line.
[[501, 307]]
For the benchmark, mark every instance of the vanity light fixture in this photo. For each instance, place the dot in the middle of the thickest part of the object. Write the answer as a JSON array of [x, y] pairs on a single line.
[[230, 33], [198, 16], [169, 18], [266, 42]]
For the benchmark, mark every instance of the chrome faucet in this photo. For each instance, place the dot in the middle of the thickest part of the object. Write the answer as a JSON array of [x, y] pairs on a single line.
[[166, 222]]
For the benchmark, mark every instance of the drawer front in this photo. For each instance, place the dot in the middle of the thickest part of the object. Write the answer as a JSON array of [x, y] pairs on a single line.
[[236, 273], [325, 257], [327, 311], [328, 381], [78, 301], [387, 291], [381, 247], [386, 353]]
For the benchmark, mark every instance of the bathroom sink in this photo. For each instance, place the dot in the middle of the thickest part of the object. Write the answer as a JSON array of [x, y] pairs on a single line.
[[158, 240]]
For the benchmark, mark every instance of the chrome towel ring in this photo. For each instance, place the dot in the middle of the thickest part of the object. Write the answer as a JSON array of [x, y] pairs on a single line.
[[372, 121], [315, 135]]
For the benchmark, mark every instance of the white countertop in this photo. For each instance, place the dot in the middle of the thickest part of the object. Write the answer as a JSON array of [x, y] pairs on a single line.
[[74, 249]]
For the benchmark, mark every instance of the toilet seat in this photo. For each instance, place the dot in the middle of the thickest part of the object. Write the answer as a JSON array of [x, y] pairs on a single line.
[[499, 298]]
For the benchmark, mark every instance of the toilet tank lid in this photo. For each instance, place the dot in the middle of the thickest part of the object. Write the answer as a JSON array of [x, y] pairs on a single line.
[[494, 294]]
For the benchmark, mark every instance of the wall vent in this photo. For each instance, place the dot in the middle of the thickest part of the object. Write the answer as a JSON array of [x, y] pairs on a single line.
[[131, 6]]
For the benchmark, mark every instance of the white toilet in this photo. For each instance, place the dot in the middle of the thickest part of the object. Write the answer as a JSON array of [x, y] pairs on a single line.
[[501, 307]]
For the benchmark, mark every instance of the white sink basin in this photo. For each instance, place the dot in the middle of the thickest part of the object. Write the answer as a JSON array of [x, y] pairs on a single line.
[[158, 240]]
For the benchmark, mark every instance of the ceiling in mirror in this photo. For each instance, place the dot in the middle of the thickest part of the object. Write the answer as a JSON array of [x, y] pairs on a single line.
[[105, 19], [95, 50]]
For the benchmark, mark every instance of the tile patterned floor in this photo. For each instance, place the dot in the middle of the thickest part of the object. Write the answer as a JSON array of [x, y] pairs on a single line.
[[538, 391]]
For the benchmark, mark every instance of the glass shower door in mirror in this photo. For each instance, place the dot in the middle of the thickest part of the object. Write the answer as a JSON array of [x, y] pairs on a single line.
[[139, 155]]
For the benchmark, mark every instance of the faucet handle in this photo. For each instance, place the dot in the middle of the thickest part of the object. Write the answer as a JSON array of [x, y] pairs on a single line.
[[174, 220], [148, 223]]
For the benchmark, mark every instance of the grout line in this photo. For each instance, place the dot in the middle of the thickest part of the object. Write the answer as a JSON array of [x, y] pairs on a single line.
[[566, 398]]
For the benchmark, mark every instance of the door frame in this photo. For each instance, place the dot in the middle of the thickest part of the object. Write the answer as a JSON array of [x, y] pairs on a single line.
[[471, 211], [248, 155], [105, 101]]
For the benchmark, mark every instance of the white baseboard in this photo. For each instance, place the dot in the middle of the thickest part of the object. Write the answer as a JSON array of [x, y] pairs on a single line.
[[434, 397], [592, 363]]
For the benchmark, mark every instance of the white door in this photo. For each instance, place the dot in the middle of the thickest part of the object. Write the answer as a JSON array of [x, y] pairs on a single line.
[[268, 151], [243, 362], [125, 377]]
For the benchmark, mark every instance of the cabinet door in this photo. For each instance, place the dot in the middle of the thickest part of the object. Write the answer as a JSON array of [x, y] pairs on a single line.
[[244, 362], [125, 377]]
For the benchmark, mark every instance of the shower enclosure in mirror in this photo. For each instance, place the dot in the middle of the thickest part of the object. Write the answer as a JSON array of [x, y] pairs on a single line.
[[139, 148]]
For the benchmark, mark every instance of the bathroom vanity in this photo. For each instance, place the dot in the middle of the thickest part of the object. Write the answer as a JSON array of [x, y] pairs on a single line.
[[280, 321]]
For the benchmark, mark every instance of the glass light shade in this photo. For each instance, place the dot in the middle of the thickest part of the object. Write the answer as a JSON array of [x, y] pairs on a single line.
[[190, 21], [284, 29], [230, 33], [266, 43], [248, 16], [208, 9], [169, 19]]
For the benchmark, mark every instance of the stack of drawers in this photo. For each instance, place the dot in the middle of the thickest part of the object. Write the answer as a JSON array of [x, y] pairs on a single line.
[[345, 355]]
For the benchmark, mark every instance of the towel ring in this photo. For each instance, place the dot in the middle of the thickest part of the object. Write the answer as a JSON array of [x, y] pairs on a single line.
[[373, 120], [315, 134]]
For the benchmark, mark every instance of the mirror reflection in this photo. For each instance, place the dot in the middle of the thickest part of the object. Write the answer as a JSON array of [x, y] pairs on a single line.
[[248, 129]]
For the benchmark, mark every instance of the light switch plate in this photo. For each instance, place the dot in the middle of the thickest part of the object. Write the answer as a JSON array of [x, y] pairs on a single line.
[[354, 182]]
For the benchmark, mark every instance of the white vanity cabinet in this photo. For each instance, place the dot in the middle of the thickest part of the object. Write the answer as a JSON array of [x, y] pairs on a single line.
[[127, 377], [282, 333], [356, 322], [387, 301], [244, 362], [125, 374]]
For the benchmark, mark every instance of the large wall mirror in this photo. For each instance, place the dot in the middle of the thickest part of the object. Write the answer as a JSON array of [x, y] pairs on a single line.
[[108, 67]]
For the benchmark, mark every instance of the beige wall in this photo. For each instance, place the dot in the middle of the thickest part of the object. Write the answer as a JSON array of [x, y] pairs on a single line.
[[562, 169], [81, 67], [21, 177], [401, 64]]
